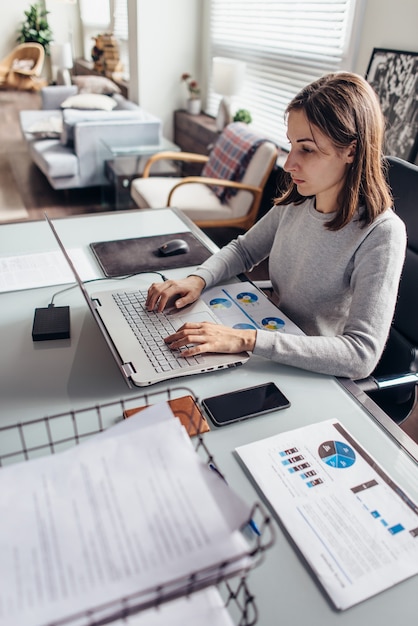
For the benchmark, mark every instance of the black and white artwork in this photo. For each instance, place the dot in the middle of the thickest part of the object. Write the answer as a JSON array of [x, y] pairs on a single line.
[[394, 76]]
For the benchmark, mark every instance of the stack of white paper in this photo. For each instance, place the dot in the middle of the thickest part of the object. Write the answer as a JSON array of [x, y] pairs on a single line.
[[130, 509]]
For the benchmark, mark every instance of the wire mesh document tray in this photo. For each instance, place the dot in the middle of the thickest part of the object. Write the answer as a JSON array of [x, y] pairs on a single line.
[[52, 434]]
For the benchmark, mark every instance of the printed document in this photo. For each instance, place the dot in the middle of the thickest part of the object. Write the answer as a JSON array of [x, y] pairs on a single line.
[[355, 526], [42, 269], [241, 305], [130, 509]]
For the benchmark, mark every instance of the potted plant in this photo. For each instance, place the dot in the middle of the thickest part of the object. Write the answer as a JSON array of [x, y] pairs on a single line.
[[193, 103], [35, 27], [243, 115]]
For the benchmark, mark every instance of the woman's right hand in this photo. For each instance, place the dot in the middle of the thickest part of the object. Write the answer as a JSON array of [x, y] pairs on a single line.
[[177, 293]]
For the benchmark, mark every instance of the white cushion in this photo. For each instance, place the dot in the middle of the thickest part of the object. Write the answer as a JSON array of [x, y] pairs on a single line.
[[95, 84], [22, 64], [89, 101], [196, 200], [48, 128]]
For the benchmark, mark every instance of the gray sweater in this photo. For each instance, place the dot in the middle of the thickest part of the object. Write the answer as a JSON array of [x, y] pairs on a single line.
[[339, 287]]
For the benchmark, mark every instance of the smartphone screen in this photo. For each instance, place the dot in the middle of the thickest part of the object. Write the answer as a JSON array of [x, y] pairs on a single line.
[[239, 405]]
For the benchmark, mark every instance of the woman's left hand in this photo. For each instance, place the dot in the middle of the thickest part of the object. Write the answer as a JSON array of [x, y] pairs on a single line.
[[210, 337]]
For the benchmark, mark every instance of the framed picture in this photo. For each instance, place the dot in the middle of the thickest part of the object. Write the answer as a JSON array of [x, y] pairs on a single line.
[[394, 76]]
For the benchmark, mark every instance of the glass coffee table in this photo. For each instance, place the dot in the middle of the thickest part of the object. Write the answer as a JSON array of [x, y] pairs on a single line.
[[124, 164]]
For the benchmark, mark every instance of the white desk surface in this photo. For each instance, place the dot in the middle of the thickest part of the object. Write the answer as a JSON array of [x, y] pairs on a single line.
[[44, 378]]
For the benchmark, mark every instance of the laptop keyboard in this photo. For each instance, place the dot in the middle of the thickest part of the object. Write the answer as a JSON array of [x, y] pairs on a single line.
[[150, 329]]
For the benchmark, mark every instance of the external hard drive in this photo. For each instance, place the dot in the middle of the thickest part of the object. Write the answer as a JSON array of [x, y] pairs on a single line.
[[52, 322]]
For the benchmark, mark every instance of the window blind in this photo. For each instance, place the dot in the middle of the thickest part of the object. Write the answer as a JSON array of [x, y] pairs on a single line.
[[285, 45]]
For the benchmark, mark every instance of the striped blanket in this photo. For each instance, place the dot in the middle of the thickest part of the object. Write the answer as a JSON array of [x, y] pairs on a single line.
[[230, 157]]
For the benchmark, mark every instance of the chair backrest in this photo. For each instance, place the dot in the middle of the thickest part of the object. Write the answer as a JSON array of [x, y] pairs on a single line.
[[31, 51], [241, 155], [401, 352], [257, 173], [403, 180]]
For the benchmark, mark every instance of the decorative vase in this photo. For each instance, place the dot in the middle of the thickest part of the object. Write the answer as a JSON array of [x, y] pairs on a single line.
[[194, 106]]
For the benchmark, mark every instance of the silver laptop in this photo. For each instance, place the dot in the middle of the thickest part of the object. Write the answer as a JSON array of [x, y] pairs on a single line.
[[135, 336]]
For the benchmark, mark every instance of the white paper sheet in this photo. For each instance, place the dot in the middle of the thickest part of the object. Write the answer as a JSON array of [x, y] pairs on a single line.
[[357, 528], [42, 269], [106, 519]]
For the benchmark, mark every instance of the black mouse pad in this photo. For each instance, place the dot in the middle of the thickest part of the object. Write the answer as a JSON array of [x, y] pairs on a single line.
[[122, 257]]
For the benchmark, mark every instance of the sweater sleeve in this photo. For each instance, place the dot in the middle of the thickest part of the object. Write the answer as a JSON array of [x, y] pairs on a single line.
[[243, 253], [356, 350]]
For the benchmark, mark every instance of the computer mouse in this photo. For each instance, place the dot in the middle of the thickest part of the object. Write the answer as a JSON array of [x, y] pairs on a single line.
[[174, 246]]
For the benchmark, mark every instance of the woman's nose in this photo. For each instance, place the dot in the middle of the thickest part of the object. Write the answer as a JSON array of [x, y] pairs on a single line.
[[289, 164]]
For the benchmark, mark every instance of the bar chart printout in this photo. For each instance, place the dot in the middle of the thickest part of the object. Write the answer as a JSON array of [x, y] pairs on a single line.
[[355, 526]]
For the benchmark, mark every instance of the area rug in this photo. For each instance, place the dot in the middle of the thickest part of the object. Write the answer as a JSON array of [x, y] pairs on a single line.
[[13, 214]]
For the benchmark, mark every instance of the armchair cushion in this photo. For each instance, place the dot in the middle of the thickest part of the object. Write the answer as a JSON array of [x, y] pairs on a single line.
[[230, 157], [22, 64], [195, 199]]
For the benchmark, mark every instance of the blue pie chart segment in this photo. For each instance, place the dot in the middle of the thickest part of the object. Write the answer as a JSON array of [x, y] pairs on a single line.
[[220, 303], [245, 326], [337, 454]]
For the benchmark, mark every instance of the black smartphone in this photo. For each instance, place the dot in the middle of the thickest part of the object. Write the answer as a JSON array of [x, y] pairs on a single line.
[[239, 405]]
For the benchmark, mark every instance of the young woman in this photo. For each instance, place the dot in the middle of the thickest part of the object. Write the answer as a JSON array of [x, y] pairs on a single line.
[[335, 247]]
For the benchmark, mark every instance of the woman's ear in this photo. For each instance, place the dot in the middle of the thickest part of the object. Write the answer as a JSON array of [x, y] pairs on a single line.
[[351, 151]]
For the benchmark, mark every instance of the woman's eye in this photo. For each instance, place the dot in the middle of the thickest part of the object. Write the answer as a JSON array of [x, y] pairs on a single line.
[[307, 150]]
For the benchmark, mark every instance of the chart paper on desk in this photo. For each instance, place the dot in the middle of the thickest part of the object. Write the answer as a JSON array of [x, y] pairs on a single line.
[[112, 517], [355, 526], [241, 305]]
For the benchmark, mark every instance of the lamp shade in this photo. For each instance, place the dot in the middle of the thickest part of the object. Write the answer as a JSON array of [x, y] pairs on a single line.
[[227, 75], [61, 55]]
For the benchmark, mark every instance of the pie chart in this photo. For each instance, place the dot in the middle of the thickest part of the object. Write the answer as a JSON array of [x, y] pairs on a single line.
[[337, 454], [247, 298], [220, 303], [272, 323]]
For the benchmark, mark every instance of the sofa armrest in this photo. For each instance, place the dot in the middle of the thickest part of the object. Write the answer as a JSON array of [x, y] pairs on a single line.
[[53, 95]]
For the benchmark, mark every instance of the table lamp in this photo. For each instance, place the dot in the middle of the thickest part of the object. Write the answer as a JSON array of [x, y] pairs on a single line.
[[227, 79], [62, 59]]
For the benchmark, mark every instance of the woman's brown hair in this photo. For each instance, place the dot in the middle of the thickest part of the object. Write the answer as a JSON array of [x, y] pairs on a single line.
[[346, 109]]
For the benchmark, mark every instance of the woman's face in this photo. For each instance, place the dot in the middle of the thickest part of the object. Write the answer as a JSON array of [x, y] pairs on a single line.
[[316, 166]]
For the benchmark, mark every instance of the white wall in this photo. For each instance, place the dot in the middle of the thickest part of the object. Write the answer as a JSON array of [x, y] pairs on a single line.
[[168, 45], [387, 24]]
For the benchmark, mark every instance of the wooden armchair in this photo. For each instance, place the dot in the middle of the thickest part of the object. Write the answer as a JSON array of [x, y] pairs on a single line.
[[208, 200], [22, 68]]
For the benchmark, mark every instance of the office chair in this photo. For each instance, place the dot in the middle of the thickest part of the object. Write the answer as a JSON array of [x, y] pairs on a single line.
[[229, 190], [21, 68], [393, 384]]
